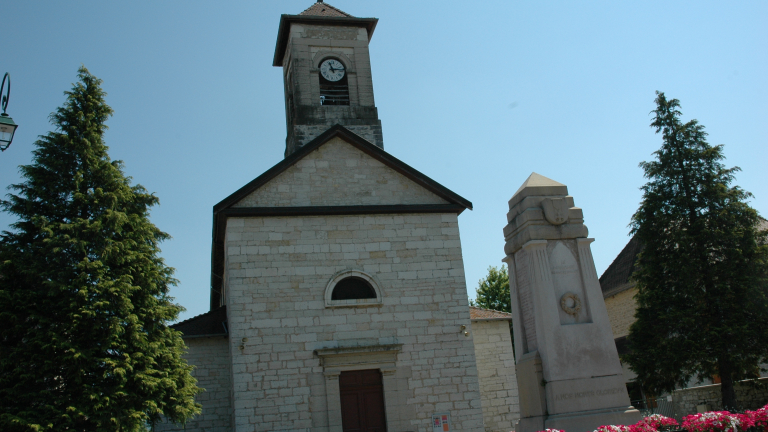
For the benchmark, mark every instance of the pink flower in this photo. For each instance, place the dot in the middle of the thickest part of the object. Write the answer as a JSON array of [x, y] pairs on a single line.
[[654, 422], [712, 421], [758, 418], [641, 427], [613, 428]]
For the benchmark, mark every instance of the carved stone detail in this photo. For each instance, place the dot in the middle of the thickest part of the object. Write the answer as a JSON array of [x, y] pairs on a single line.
[[555, 210], [570, 303]]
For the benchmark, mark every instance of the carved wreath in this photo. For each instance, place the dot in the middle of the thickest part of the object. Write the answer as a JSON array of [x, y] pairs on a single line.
[[570, 303]]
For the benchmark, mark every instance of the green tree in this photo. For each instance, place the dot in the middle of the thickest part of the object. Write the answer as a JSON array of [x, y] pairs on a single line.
[[701, 277], [493, 293], [493, 290], [84, 305]]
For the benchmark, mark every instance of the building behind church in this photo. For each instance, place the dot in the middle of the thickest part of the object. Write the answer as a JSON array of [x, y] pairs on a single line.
[[619, 290], [338, 296]]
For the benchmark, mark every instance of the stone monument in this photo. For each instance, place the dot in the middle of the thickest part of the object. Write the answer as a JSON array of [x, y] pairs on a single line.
[[568, 371]]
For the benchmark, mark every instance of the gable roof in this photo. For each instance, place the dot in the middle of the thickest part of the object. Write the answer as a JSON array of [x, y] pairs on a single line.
[[480, 314], [324, 9], [616, 277], [361, 144], [212, 323], [225, 208]]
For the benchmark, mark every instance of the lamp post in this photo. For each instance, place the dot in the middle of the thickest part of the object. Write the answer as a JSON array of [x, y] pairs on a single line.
[[7, 126]]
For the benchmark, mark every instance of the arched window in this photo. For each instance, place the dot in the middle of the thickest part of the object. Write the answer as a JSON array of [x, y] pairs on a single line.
[[352, 288]]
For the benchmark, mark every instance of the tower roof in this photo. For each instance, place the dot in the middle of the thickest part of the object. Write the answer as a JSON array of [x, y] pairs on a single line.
[[324, 9], [321, 14]]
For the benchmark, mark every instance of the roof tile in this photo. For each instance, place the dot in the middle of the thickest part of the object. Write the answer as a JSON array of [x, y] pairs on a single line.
[[212, 323], [616, 277], [324, 9], [476, 313]]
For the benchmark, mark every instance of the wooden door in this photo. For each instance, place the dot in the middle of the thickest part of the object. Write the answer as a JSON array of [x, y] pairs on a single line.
[[362, 401]]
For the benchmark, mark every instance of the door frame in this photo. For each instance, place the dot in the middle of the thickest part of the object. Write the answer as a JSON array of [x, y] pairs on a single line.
[[382, 357]]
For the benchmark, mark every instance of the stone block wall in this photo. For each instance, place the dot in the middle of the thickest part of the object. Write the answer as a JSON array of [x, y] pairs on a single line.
[[339, 174], [276, 275], [685, 400], [496, 371], [621, 311], [307, 118], [300, 135], [210, 356]]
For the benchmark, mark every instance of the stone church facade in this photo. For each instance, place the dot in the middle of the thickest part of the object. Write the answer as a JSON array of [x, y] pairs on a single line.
[[338, 296], [290, 340]]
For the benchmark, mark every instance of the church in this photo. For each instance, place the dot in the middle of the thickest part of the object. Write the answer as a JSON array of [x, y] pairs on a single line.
[[338, 295]]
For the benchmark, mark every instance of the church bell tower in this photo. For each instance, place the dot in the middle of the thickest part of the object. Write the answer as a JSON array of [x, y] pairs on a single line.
[[327, 74]]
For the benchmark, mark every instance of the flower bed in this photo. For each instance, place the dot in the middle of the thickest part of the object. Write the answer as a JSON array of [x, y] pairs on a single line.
[[713, 421]]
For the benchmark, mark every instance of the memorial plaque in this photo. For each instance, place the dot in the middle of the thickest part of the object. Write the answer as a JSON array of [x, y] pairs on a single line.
[[566, 278]]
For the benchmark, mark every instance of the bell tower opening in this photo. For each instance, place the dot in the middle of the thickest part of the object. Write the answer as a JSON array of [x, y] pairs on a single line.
[[334, 84], [327, 71]]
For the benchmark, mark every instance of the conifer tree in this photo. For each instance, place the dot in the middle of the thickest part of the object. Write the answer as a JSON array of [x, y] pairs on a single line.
[[702, 306], [493, 293], [84, 305], [493, 290]]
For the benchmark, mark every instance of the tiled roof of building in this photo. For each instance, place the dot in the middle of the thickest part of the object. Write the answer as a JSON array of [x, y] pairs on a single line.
[[324, 9], [615, 279], [480, 314], [213, 323]]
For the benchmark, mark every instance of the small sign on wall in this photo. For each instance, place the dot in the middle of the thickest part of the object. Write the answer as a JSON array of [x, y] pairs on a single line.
[[441, 422]]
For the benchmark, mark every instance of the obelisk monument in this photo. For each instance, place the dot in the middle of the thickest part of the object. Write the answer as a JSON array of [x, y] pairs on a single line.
[[568, 372]]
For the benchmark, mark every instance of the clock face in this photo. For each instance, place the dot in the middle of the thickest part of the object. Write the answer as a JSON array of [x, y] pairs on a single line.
[[332, 70]]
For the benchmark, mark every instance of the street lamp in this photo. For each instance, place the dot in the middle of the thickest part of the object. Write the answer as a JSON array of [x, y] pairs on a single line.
[[7, 126]]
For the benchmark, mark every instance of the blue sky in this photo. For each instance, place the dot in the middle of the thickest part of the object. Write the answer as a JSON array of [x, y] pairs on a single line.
[[476, 95]]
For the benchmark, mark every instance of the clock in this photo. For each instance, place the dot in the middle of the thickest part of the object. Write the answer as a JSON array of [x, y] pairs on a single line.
[[332, 70]]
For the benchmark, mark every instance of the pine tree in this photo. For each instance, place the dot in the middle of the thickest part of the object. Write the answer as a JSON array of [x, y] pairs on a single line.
[[702, 306], [84, 305]]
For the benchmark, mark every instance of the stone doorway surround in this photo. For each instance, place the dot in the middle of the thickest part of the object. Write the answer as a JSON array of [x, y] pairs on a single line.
[[394, 381]]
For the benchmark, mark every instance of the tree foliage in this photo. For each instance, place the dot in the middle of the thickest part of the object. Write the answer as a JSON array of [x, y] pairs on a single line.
[[493, 293], [702, 307], [84, 305], [493, 290]]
